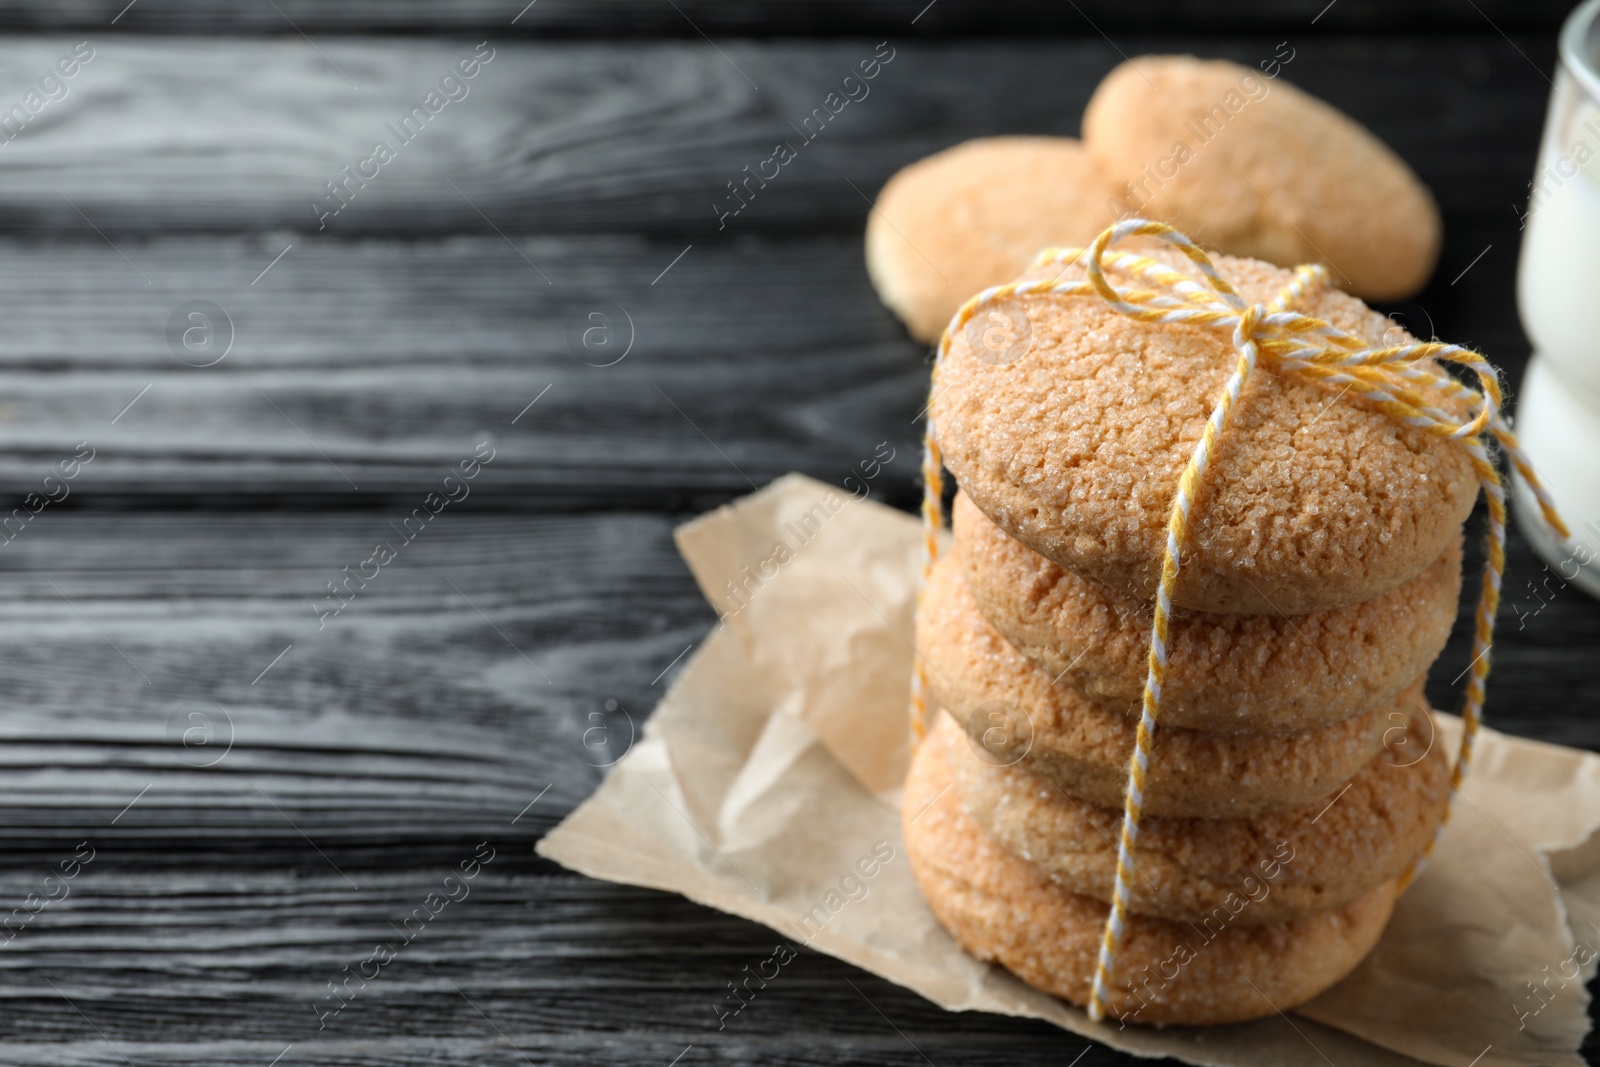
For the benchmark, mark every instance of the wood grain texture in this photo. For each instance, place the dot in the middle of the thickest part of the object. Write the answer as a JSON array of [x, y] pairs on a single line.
[[173, 964], [492, 658], [365, 368], [769, 18], [185, 134]]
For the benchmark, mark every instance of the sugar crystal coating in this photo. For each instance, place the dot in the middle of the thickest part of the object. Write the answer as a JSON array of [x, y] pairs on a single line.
[[1313, 501], [1001, 908]]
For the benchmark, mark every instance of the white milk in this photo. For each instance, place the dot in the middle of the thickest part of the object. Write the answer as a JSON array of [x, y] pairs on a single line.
[[1558, 425], [1558, 284], [1558, 293]]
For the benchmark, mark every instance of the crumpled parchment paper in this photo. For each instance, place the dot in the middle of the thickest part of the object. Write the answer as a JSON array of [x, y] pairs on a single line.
[[766, 784]]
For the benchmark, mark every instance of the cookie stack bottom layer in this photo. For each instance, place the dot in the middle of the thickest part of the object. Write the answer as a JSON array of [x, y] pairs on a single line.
[[1271, 868], [1004, 909]]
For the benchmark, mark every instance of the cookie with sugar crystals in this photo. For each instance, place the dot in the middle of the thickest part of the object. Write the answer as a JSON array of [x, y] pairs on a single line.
[[1004, 909], [1256, 167], [1284, 864], [975, 215], [1073, 444], [1011, 707], [1224, 672]]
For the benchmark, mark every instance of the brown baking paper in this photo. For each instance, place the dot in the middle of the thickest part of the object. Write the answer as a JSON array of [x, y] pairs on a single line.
[[766, 785]]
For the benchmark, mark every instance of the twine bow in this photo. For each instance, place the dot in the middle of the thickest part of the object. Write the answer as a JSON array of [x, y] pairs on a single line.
[[1395, 379]]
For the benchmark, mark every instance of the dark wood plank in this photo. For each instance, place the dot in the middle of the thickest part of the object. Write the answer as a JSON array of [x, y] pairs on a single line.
[[373, 368], [492, 658], [175, 965], [162, 135], [813, 18]]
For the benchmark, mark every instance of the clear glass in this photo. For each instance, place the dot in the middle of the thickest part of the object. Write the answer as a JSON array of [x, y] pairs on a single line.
[[1558, 293]]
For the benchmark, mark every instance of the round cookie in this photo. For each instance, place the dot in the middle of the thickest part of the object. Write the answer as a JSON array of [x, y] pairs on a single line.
[[975, 215], [1224, 672], [1001, 908], [1011, 707], [1285, 864], [1256, 167], [1313, 501]]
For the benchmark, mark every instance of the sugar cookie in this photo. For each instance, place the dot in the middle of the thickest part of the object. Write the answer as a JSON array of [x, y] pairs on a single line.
[[1001, 908], [1074, 442], [1255, 167], [1285, 864], [1009, 704], [1224, 672], [975, 215]]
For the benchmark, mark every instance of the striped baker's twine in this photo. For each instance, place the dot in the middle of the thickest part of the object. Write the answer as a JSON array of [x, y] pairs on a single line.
[[1394, 379]]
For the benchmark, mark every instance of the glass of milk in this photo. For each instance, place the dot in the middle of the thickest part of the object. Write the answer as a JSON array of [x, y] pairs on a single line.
[[1558, 293]]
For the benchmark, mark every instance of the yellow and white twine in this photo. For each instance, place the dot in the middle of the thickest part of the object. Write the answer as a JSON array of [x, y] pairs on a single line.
[[1394, 379]]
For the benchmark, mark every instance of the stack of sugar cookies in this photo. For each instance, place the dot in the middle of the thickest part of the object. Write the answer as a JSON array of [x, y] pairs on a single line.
[[1295, 778]]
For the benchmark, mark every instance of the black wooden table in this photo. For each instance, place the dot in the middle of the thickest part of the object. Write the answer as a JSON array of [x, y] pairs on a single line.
[[239, 751]]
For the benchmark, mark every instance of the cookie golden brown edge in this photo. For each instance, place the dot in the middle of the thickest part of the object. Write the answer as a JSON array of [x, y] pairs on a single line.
[[992, 690], [1287, 864], [1003, 909], [1224, 672]]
